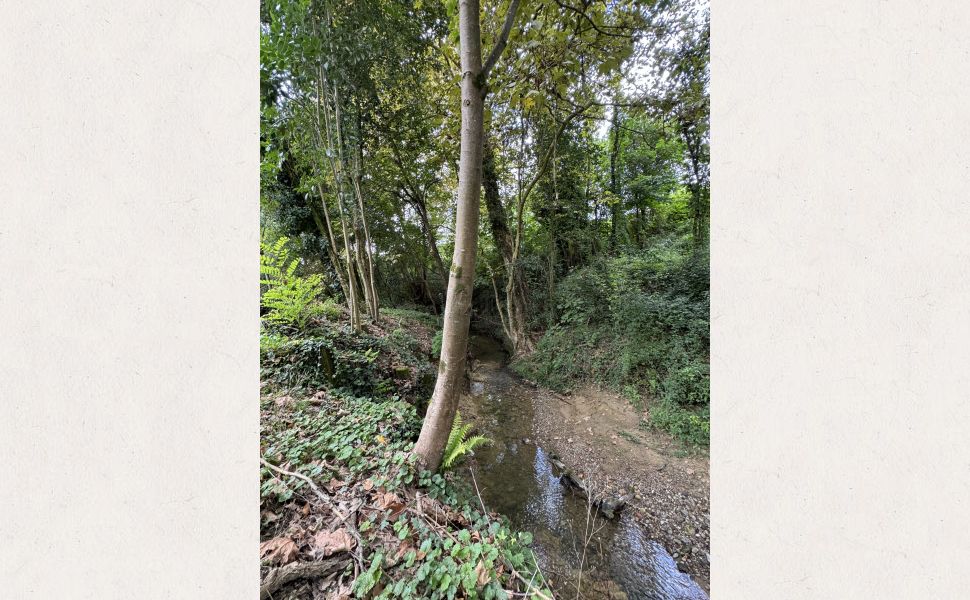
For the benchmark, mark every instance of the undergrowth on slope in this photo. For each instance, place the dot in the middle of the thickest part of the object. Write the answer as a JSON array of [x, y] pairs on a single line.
[[421, 536], [400, 531], [638, 323]]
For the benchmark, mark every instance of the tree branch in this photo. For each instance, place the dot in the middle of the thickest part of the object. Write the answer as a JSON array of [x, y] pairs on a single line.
[[599, 28], [503, 39]]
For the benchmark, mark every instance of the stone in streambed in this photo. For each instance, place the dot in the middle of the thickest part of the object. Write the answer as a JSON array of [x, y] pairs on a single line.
[[554, 460], [611, 507], [576, 484]]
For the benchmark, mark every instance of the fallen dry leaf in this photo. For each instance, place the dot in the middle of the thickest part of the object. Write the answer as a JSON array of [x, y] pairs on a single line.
[[391, 502], [402, 550], [279, 550], [368, 485], [328, 543], [482, 573]]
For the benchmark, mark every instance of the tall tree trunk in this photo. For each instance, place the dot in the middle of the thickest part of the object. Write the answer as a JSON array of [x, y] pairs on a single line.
[[373, 303], [454, 342], [325, 228], [416, 197], [697, 205], [337, 166], [432, 241], [344, 213], [551, 281], [318, 136], [366, 265], [421, 208], [697, 187], [514, 313], [617, 213]]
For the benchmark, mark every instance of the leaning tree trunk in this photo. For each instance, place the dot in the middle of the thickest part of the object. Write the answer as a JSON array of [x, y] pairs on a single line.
[[334, 140], [454, 342], [327, 230]]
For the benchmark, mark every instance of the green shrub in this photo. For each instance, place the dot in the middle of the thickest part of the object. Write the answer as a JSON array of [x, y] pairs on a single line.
[[436, 342], [411, 314], [331, 310], [689, 384], [271, 342], [330, 359], [638, 323], [692, 427]]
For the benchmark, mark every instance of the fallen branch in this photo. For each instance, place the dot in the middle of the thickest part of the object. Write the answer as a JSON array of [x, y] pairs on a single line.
[[320, 493], [279, 577]]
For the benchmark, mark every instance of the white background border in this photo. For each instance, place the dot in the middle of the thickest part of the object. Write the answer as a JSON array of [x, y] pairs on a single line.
[[129, 185], [128, 312], [840, 294]]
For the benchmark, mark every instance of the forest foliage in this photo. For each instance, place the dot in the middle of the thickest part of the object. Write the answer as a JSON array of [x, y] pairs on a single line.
[[591, 258], [596, 181]]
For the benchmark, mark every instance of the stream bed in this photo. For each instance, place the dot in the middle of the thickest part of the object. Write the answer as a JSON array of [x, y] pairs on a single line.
[[581, 553]]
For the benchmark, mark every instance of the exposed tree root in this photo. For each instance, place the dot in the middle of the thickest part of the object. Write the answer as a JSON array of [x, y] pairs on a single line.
[[279, 577]]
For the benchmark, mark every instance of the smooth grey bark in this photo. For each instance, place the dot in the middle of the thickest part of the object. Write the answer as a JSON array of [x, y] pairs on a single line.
[[454, 344]]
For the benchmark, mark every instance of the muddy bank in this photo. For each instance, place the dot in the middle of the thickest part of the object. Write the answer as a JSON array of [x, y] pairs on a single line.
[[659, 538]]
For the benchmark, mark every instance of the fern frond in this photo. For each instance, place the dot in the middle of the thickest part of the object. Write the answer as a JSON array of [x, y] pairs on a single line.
[[458, 445], [455, 436]]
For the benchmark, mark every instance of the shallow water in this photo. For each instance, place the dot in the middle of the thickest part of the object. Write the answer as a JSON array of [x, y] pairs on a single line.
[[521, 480]]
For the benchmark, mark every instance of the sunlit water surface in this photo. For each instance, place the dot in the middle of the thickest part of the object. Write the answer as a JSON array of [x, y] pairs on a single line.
[[521, 481]]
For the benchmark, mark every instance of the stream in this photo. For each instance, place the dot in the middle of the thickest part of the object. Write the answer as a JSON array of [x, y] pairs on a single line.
[[520, 479]]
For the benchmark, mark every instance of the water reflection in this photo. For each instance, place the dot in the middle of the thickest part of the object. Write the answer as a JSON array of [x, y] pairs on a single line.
[[519, 479]]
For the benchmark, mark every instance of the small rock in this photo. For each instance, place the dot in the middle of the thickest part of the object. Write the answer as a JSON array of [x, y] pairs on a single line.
[[568, 480], [526, 441], [569, 440], [610, 507]]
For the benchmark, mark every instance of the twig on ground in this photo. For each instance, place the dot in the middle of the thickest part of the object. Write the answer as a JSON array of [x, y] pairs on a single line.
[[530, 587], [484, 510]]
